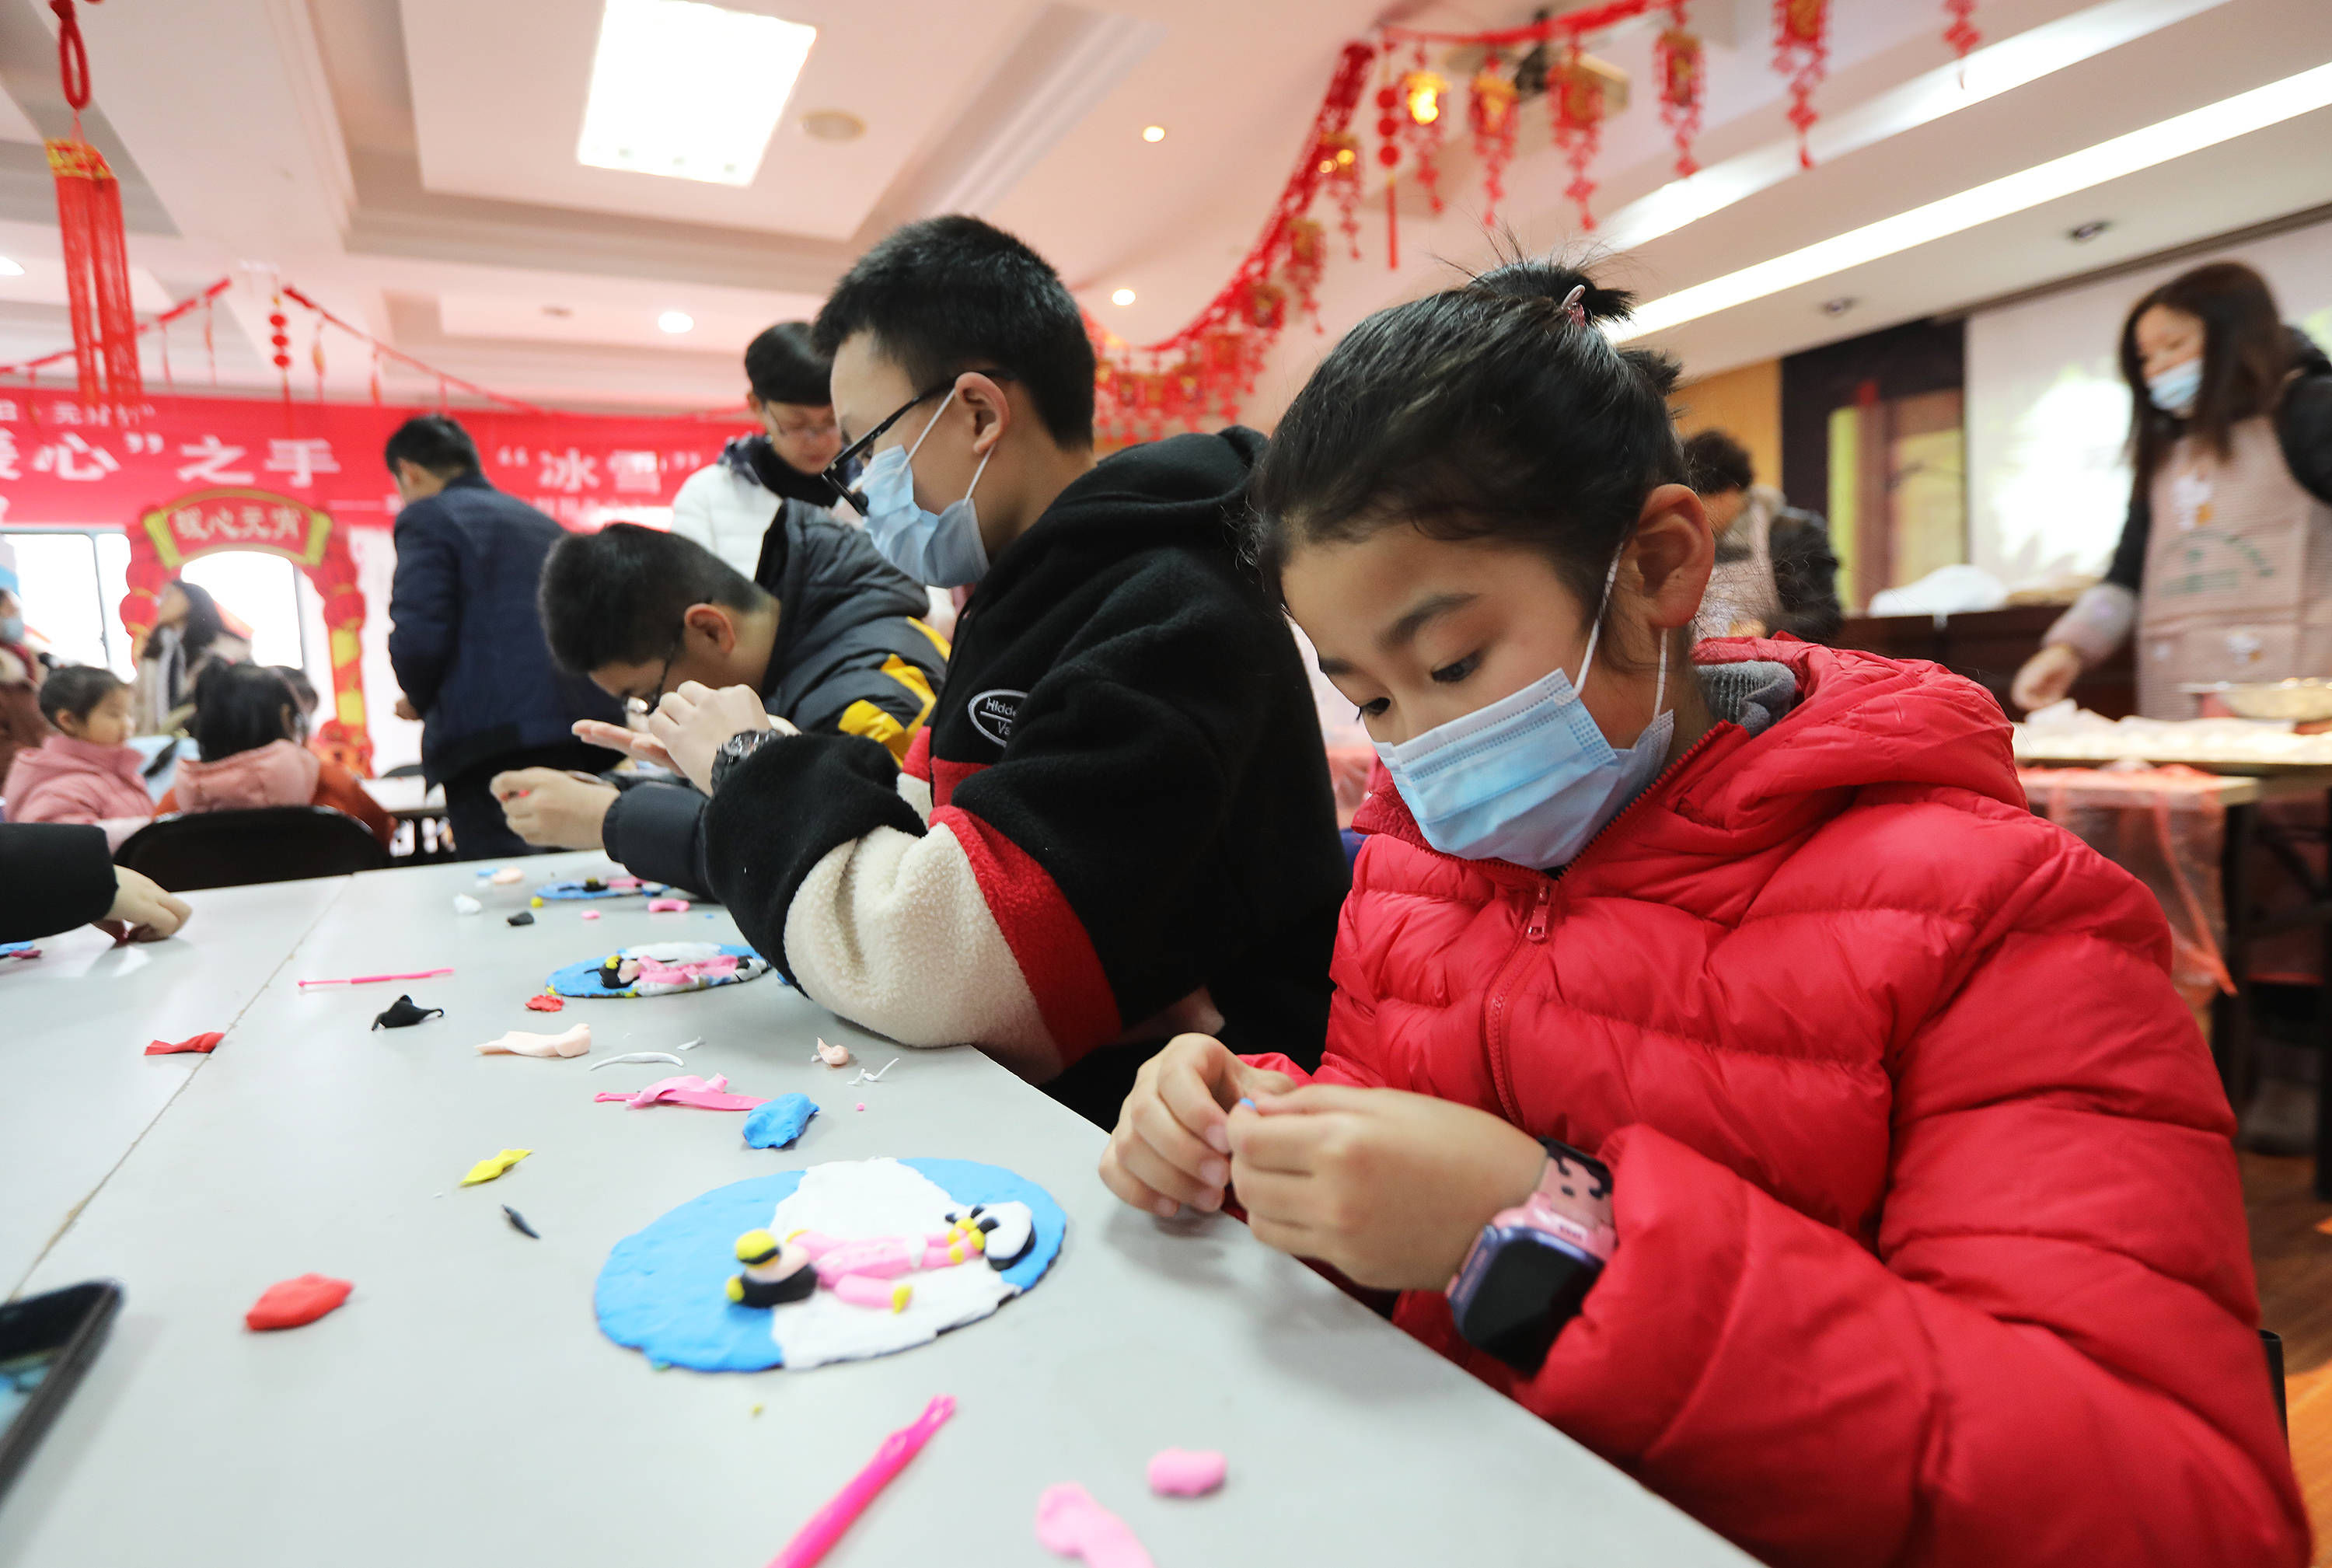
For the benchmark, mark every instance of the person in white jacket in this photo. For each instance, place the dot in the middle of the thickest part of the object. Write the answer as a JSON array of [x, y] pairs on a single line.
[[729, 505]]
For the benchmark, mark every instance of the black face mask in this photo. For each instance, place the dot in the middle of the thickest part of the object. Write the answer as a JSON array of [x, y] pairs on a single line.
[[402, 1014]]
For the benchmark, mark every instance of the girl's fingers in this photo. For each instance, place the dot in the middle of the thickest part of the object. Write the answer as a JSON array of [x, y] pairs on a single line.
[[1155, 1125], [1295, 1240], [1187, 1091], [1144, 1164], [1277, 1196], [1133, 1193], [1252, 1082], [1280, 1141]]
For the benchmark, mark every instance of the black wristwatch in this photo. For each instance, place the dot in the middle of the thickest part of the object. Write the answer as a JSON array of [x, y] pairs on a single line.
[[1531, 1268], [735, 749]]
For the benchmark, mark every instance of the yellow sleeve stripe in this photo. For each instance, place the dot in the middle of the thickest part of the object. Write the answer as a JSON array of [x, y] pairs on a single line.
[[915, 680], [938, 641], [864, 718]]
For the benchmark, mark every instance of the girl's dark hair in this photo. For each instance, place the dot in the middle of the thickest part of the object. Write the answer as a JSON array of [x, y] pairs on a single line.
[[77, 689], [1481, 412], [2246, 354], [239, 707], [204, 623]]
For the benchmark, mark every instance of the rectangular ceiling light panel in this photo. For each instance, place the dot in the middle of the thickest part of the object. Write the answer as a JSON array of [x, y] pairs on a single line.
[[689, 91]]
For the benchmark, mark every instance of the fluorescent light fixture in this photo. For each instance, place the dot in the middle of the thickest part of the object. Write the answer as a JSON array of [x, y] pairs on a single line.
[[10, 268], [1123, 297], [1153, 133], [689, 91], [676, 321], [1991, 71], [2076, 171]]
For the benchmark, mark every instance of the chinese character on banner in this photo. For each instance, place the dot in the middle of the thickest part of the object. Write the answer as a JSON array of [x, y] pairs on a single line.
[[8, 410], [635, 472], [145, 441], [301, 461], [8, 455], [64, 413], [211, 457], [71, 457], [290, 525], [510, 457], [570, 471]]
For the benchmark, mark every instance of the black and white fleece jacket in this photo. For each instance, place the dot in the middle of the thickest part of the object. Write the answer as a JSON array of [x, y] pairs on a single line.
[[1118, 820]]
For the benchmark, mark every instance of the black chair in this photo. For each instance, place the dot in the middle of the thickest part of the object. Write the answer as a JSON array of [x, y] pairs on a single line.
[[404, 770], [184, 851]]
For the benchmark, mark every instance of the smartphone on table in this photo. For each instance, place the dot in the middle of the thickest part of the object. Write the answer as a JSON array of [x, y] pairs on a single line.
[[46, 1343]]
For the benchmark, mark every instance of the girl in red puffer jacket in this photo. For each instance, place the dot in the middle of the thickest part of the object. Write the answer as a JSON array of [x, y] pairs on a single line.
[[1724, 1063]]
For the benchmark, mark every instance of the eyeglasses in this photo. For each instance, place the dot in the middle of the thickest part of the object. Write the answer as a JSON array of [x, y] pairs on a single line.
[[639, 704], [836, 472]]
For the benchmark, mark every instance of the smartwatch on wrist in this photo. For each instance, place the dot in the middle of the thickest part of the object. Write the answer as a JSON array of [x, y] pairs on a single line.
[[1532, 1266], [735, 749]]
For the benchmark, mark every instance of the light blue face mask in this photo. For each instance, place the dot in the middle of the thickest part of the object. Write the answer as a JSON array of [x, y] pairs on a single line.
[[942, 549], [1530, 778], [2174, 391]]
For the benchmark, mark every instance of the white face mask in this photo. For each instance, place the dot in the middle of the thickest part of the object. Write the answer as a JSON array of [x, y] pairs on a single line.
[[2173, 390], [942, 549]]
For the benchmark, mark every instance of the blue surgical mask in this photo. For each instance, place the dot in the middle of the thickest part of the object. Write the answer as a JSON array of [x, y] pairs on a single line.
[[12, 628], [1530, 778], [2174, 389], [942, 549]]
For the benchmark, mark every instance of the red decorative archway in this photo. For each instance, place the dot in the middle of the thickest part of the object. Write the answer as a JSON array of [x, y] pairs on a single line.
[[207, 522]]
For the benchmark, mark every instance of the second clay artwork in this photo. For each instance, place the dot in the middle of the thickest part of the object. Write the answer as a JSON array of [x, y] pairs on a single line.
[[655, 968], [601, 887]]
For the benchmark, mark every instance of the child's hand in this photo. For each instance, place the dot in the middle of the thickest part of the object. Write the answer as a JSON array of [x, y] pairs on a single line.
[[694, 721], [551, 808], [1172, 1142], [142, 910], [637, 745], [1387, 1187]]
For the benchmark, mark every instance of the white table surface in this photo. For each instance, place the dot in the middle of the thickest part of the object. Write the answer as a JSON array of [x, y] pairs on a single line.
[[463, 1408]]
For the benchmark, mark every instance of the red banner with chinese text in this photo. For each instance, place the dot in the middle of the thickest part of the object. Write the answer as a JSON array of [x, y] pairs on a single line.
[[64, 464]]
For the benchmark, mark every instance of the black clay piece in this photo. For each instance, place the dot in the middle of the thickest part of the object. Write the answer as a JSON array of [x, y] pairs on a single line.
[[524, 917], [402, 1014], [518, 1224], [593, 884]]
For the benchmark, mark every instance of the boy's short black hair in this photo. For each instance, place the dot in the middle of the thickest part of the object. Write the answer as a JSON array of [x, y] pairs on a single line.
[[782, 366], [239, 707], [303, 690], [951, 294], [1717, 463], [77, 689], [436, 443], [616, 597]]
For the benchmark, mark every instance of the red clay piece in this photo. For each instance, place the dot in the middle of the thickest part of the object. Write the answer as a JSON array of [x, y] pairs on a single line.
[[202, 1043], [544, 1003], [294, 1302]]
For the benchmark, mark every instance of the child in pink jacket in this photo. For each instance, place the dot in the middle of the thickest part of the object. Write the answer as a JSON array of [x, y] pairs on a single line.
[[83, 772]]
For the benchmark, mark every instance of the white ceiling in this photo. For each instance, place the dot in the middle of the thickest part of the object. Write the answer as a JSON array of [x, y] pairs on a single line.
[[411, 164]]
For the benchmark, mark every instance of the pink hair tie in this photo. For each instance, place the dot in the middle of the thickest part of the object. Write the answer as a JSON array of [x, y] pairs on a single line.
[[1573, 305]]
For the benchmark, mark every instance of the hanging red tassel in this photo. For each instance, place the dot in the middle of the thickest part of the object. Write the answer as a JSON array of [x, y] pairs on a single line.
[[210, 343], [1579, 105], [1678, 60], [1801, 53], [316, 357], [1424, 94], [1960, 35], [1389, 160], [281, 340], [1490, 112], [97, 260]]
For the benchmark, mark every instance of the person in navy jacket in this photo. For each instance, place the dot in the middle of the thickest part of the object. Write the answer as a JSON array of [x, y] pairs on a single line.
[[466, 641]]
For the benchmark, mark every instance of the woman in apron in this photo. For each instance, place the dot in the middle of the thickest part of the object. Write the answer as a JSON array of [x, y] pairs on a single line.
[[2224, 571]]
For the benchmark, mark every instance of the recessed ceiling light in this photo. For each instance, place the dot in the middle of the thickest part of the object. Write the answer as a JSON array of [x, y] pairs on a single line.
[[1839, 306], [1123, 297], [10, 268], [1153, 133], [2082, 234], [833, 125], [2027, 188], [687, 89], [676, 321], [561, 311]]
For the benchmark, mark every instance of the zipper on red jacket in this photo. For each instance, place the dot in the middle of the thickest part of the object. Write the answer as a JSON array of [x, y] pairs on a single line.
[[1496, 1018]]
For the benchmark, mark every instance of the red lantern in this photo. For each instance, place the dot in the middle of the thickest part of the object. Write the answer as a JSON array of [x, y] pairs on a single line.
[[1683, 70], [1266, 307], [1960, 35], [1490, 112], [1307, 257], [1424, 97], [1340, 172], [1578, 94], [1801, 53]]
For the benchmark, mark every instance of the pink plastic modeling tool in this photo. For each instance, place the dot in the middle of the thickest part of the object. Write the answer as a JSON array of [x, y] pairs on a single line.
[[366, 979], [818, 1537]]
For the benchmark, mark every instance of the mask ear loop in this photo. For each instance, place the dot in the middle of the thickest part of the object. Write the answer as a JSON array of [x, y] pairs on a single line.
[[1660, 683], [918, 447]]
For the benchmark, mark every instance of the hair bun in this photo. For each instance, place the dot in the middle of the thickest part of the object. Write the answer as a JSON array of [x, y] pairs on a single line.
[[1554, 282]]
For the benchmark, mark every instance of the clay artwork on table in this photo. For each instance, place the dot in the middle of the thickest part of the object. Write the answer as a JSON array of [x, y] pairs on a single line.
[[544, 1002], [19, 949], [508, 876], [705, 1094], [403, 1014], [488, 1169], [833, 1056], [667, 906], [776, 1123], [1070, 1524], [200, 1043], [294, 1302], [900, 1252], [575, 1042], [602, 888], [1186, 1472], [637, 1057], [655, 969]]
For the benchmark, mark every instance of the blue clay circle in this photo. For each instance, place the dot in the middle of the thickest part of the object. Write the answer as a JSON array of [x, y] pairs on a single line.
[[576, 889], [582, 979], [663, 1290]]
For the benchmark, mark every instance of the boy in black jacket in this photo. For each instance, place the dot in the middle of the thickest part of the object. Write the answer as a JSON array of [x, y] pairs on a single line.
[[829, 635], [1122, 826]]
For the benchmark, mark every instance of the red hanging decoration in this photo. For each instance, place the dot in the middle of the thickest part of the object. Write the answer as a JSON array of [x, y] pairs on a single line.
[[96, 257], [1960, 35], [1490, 112], [210, 343], [316, 357], [1683, 70], [1389, 160], [1801, 53], [1424, 94], [1307, 258], [1339, 166], [376, 375], [281, 340], [1577, 92]]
